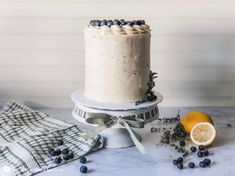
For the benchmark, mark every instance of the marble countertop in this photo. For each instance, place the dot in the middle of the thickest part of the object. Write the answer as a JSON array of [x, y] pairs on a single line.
[[158, 160]]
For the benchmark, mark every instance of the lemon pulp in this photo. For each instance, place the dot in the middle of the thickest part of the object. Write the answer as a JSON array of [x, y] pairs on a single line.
[[203, 133]]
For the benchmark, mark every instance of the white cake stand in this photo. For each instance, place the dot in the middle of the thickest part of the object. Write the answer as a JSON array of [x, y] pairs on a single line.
[[116, 136]]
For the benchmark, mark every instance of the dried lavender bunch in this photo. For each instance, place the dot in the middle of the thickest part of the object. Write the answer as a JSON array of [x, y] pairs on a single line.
[[178, 134], [171, 137]]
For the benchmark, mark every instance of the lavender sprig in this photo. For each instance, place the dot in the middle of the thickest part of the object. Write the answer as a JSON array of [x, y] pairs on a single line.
[[149, 94]]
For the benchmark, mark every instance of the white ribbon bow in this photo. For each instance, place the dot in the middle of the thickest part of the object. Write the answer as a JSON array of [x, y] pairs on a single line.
[[105, 121]]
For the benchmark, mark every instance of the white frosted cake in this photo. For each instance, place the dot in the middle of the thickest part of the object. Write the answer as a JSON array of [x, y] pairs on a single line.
[[117, 60]]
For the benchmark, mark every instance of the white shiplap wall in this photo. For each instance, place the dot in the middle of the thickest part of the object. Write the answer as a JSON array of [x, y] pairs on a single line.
[[193, 48]]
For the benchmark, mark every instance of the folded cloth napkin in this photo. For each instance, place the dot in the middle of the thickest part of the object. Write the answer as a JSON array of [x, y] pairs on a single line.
[[26, 136]]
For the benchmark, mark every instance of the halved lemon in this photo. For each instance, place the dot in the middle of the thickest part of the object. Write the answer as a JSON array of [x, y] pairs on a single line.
[[203, 133], [194, 117]]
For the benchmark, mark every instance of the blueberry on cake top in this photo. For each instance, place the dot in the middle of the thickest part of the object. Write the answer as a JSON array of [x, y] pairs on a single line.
[[120, 26]]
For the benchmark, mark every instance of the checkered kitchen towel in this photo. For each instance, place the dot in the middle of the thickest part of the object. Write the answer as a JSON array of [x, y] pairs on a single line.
[[26, 135]]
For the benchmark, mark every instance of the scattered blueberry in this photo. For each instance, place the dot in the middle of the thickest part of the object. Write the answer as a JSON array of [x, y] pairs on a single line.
[[60, 142], [57, 152], [193, 149], [180, 166], [180, 160], [71, 155], [83, 160], [51, 150], [65, 151], [201, 147], [58, 160], [83, 169], [205, 152], [66, 157], [53, 153], [200, 154], [175, 162], [182, 143], [202, 164], [191, 165], [207, 161]]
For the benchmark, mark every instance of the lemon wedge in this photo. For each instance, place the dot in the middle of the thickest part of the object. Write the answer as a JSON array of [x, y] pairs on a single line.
[[203, 133]]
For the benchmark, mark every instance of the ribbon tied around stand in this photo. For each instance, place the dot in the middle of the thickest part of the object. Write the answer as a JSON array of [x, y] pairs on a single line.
[[105, 121]]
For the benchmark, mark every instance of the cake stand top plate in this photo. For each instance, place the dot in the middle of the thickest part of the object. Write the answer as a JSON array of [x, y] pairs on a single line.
[[79, 98]]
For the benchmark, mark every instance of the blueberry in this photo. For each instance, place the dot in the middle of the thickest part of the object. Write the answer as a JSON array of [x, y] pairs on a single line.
[[207, 161], [71, 155], [83, 160], [138, 22], [180, 160], [57, 152], [104, 22], [151, 98], [123, 22], [97, 22], [66, 157], [65, 151], [191, 165], [134, 22], [58, 160], [109, 23], [180, 166], [92, 22], [142, 21], [201, 147], [200, 154], [182, 143], [130, 23], [60, 142], [175, 162], [205, 152], [116, 22], [53, 153], [51, 150], [202, 164], [83, 169], [193, 149]]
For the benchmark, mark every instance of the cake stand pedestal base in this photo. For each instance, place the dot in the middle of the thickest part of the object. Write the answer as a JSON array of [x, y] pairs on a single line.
[[116, 136]]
